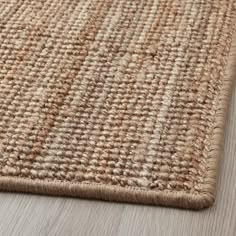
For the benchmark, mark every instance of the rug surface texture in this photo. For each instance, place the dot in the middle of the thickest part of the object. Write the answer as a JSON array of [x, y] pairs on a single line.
[[120, 100]]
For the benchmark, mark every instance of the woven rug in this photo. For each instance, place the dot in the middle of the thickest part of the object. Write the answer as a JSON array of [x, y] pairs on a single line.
[[119, 100]]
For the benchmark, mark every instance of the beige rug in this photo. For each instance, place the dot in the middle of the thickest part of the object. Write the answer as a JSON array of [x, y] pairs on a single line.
[[118, 100]]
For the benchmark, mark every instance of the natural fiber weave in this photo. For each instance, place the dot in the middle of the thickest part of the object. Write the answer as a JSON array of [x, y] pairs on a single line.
[[114, 99]]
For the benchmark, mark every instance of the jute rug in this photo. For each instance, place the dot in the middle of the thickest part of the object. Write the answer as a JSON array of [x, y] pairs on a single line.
[[118, 100]]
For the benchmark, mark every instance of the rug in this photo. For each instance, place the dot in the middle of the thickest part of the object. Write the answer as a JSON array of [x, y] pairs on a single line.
[[119, 100]]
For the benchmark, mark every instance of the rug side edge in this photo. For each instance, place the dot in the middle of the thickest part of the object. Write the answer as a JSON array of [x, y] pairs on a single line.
[[217, 135]]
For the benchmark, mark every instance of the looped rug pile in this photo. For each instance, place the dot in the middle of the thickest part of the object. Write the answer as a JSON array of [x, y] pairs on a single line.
[[118, 100]]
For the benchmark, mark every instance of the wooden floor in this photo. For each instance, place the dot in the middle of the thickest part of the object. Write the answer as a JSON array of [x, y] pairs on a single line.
[[24, 214]]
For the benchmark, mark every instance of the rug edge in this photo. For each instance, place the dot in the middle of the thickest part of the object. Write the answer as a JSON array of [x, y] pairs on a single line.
[[217, 136], [107, 193]]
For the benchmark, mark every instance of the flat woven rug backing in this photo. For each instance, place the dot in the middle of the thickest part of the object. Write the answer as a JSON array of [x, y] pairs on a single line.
[[117, 100]]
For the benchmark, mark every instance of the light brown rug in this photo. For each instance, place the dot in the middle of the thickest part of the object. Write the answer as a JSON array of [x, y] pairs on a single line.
[[118, 100]]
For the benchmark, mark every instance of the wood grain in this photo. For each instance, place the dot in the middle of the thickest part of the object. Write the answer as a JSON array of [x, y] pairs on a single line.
[[24, 214]]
